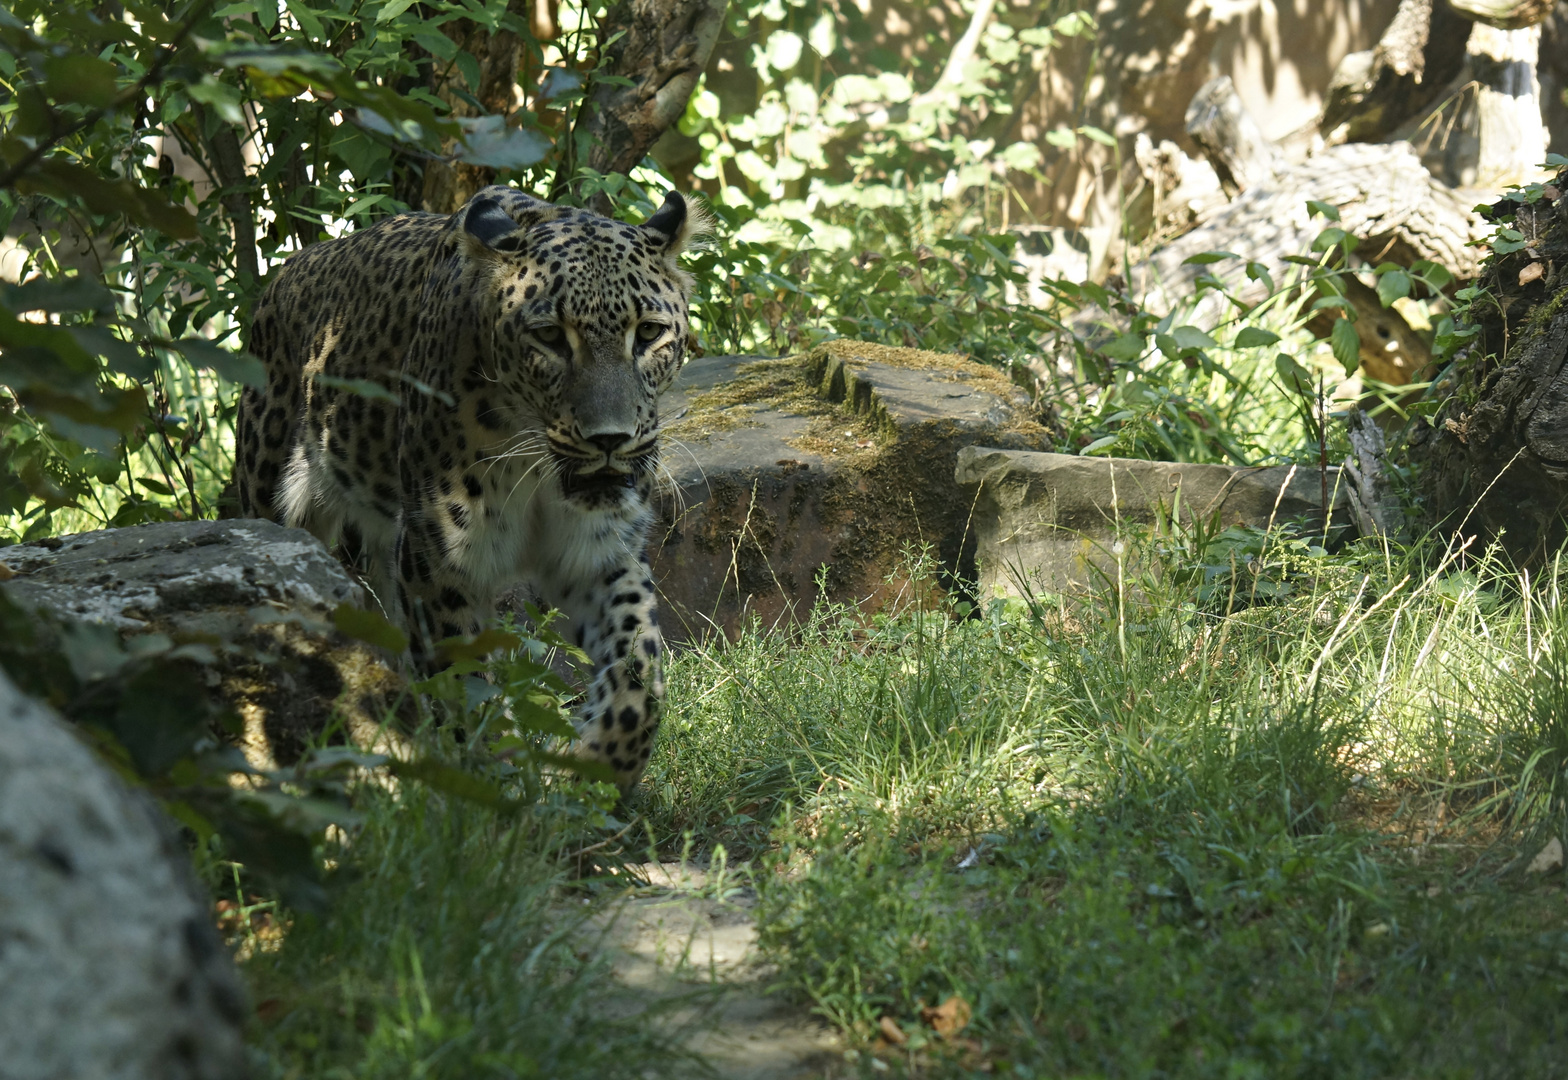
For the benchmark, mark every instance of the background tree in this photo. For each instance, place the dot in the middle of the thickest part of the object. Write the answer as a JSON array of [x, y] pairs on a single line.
[[159, 160]]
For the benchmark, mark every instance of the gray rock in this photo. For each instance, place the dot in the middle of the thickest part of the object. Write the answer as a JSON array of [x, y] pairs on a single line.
[[109, 966], [1048, 519], [257, 594], [820, 470], [190, 576]]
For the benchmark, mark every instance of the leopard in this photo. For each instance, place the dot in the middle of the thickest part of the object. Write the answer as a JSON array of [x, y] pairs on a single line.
[[464, 405]]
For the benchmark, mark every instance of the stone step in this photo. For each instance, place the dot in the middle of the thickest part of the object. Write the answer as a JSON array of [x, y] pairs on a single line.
[[1045, 521]]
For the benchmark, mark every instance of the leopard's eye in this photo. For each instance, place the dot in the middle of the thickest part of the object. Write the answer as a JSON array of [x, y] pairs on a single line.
[[648, 331], [549, 335]]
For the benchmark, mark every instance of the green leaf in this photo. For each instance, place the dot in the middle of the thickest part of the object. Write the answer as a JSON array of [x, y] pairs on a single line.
[[58, 294], [1127, 347], [54, 176], [1062, 138], [366, 203], [1434, 274], [1394, 285], [489, 142], [1329, 211], [1508, 241], [1190, 337], [477, 647], [370, 627], [237, 367], [1323, 302], [157, 487], [1104, 138], [366, 388], [453, 781], [1253, 337], [1346, 344], [1331, 237], [469, 67], [1295, 377], [1098, 445], [1256, 271], [80, 77], [308, 22], [1555, 161], [1207, 257], [392, 10]]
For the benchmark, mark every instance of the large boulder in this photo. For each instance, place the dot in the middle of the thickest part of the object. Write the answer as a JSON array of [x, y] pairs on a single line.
[[109, 966], [258, 596], [815, 475]]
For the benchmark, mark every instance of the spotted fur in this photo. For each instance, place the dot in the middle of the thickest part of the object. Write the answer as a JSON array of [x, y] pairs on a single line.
[[526, 346]]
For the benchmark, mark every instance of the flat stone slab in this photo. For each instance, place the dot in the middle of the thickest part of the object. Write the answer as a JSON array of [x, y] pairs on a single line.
[[673, 940], [1047, 520], [186, 575], [808, 476], [259, 595]]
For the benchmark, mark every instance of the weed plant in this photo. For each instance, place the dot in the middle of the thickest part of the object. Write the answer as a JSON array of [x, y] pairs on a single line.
[[1189, 826]]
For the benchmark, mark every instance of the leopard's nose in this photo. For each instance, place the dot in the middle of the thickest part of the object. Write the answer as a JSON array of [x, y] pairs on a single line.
[[610, 441]]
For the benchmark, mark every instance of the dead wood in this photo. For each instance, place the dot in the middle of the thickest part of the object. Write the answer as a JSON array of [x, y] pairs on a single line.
[[1371, 93], [1385, 198], [1505, 14], [1374, 504], [1230, 138]]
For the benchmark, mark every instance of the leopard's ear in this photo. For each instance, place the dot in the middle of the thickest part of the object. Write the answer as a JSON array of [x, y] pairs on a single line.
[[679, 222], [486, 222]]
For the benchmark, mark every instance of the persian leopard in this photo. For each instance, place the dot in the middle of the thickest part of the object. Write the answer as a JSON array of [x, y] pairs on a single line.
[[470, 402]]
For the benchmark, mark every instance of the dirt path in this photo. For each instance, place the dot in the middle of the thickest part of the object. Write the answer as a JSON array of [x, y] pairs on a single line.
[[674, 939]]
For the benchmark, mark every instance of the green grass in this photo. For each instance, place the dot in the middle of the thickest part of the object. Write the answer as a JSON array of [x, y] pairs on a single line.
[[1146, 837], [1258, 811]]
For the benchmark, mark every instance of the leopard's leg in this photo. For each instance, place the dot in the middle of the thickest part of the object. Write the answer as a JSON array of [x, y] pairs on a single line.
[[436, 599], [614, 618], [266, 423]]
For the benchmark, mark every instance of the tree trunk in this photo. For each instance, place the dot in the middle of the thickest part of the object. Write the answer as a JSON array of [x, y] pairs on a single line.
[[663, 48], [1513, 142], [1494, 460], [448, 185]]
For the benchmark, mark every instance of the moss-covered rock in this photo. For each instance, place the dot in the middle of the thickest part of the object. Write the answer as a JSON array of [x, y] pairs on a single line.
[[812, 475]]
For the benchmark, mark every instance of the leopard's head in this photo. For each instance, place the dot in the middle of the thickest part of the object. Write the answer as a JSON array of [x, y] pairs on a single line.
[[587, 327]]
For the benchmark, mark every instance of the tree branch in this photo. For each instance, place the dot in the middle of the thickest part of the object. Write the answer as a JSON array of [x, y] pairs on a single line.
[[154, 73], [963, 52]]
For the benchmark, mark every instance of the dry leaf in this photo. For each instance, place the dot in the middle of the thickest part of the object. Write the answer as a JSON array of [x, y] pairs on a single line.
[[6, 573], [891, 1031], [948, 1018], [1531, 273], [1549, 858]]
